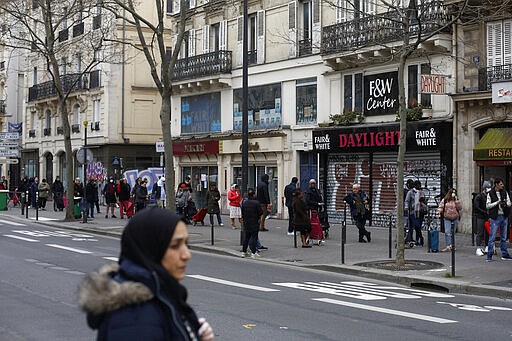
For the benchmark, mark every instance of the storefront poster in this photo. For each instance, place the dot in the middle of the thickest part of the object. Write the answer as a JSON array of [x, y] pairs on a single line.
[[201, 113], [264, 107], [381, 94]]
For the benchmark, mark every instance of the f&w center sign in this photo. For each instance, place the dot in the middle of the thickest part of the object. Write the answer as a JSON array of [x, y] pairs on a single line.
[[381, 94]]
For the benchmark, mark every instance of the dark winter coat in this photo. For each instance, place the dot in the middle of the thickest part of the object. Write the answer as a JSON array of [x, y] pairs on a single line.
[[34, 188], [262, 194], [127, 304], [357, 204], [78, 190], [212, 201], [313, 197], [109, 191], [288, 194], [123, 192], [141, 194], [479, 206], [57, 189], [300, 211], [251, 212], [91, 192]]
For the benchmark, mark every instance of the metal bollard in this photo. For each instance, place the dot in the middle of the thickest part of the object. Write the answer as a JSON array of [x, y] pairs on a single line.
[[390, 237], [212, 235], [37, 205], [294, 236], [453, 249], [343, 236], [26, 204]]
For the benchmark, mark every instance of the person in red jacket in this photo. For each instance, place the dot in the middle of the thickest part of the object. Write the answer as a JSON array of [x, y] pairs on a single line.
[[235, 198]]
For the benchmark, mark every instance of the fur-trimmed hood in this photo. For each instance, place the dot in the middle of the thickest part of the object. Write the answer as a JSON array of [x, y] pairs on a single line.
[[99, 293]]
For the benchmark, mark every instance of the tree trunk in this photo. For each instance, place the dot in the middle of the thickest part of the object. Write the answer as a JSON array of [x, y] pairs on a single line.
[[69, 161]]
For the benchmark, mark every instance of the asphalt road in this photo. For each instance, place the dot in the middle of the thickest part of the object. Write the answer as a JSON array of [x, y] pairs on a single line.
[[247, 299]]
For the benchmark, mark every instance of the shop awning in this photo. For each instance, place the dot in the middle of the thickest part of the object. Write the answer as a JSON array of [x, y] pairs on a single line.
[[495, 147]]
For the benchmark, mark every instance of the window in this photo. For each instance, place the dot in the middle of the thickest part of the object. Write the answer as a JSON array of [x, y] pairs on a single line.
[[201, 113], [63, 66], [34, 76], [353, 93], [215, 37], [64, 23], [344, 11], [305, 42], [252, 39], [76, 113], [48, 119], [78, 63], [168, 8], [306, 99], [33, 120], [264, 107], [414, 98]]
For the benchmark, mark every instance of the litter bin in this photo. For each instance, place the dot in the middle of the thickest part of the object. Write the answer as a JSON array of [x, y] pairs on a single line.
[[4, 196], [76, 208]]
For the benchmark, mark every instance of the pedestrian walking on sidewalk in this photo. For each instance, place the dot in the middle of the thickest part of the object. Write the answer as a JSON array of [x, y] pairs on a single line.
[[498, 203], [109, 191], [288, 201], [358, 201], [34, 188], [263, 198], [58, 193], [44, 193], [235, 198], [251, 215], [22, 189], [212, 203], [91, 193], [480, 211], [141, 197], [123, 193], [142, 297], [450, 208], [415, 209], [301, 217], [313, 196]]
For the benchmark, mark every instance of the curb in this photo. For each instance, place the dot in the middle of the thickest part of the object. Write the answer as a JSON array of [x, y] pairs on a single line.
[[400, 277]]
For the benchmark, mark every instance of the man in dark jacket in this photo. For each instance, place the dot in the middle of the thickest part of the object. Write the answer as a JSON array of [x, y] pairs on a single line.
[[263, 198], [288, 196], [58, 192], [480, 211], [498, 203], [123, 193], [251, 214], [22, 189], [110, 193], [91, 193], [358, 201]]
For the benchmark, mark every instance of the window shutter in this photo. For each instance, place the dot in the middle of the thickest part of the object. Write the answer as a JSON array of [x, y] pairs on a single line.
[[260, 27], [206, 39], [192, 43], [239, 41], [494, 44], [507, 42], [316, 35], [369, 6], [177, 6], [222, 35], [292, 29], [340, 11]]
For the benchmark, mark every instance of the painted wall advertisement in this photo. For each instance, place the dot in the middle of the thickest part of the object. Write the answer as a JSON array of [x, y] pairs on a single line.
[[381, 94]]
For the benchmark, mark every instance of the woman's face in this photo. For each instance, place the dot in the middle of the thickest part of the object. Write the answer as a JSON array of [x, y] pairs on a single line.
[[177, 255]]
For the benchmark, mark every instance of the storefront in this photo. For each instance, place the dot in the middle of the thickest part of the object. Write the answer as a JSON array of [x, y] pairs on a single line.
[[367, 155]]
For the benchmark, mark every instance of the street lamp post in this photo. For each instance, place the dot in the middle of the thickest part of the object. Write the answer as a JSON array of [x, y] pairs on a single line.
[[84, 201]]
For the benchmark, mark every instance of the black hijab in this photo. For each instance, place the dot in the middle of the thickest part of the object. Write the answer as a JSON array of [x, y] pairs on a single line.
[[145, 240]]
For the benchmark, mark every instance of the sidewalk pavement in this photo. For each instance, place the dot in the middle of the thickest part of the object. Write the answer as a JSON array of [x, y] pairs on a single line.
[[473, 275]]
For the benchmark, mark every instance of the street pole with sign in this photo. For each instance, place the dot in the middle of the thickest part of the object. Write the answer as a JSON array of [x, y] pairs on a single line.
[[245, 116], [84, 202]]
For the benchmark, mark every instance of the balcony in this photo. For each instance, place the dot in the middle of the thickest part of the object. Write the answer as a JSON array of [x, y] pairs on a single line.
[[95, 79], [78, 29], [305, 47], [47, 131], [75, 128], [488, 75], [203, 65], [70, 82], [60, 131], [383, 28], [63, 35], [32, 133]]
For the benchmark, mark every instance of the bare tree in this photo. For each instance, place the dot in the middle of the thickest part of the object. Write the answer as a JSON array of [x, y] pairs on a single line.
[[155, 43], [41, 29]]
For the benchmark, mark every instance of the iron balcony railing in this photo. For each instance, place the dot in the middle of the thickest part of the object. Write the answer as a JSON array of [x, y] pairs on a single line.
[[70, 82], [371, 30], [208, 64], [488, 75]]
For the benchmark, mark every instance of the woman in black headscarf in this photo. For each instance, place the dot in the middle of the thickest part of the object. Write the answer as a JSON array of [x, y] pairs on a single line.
[[141, 299]]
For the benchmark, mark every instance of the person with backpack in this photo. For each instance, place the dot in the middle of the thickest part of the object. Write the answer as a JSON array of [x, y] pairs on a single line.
[[109, 191]]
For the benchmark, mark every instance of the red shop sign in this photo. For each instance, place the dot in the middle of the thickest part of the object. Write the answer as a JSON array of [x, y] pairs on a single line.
[[205, 147]]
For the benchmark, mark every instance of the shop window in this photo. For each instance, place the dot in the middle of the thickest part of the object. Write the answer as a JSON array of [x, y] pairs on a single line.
[[201, 114], [306, 99], [200, 178], [264, 107]]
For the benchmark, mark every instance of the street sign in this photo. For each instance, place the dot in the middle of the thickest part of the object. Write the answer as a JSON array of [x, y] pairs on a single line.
[[80, 156], [9, 153], [9, 136], [159, 146], [9, 143]]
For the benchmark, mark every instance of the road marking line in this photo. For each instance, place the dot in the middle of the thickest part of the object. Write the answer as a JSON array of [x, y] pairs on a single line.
[[11, 223], [233, 284], [114, 259], [68, 248], [21, 238], [386, 311]]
